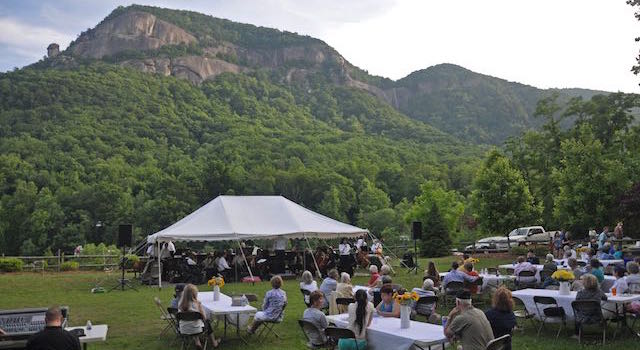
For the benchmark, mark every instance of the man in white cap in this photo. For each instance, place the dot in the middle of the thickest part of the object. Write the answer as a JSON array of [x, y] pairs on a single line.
[[468, 324]]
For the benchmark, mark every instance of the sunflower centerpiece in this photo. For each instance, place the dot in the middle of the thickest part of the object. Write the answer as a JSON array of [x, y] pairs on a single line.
[[565, 277], [216, 283], [405, 299]]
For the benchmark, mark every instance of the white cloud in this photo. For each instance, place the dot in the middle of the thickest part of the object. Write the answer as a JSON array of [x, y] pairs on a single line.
[[29, 40]]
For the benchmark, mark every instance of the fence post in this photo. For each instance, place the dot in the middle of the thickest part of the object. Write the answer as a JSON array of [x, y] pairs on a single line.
[[58, 268]]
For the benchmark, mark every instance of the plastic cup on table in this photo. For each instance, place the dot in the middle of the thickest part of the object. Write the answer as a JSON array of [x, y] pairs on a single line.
[[613, 291], [444, 321]]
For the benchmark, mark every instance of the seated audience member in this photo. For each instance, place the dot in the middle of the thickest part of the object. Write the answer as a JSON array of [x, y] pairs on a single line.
[[595, 268], [575, 268], [620, 284], [359, 319], [523, 265], [328, 286], [548, 269], [532, 258], [468, 324], [223, 266], [385, 270], [373, 269], [177, 295], [465, 258], [433, 274], [53, 336], [570, 253], [605, 252], [314, 315], [501, 316], [633, 278], [344, 289], [388, 307], [272, 305], [591, 291], [455, 275], [468, 269], [309, 284], [189, 302], [426, 309]]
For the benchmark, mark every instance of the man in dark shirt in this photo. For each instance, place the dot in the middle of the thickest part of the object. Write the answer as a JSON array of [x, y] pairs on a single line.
[[53, 337]]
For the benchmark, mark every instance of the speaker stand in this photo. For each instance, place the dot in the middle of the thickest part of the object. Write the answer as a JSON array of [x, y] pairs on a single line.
[[415, 259], [123, 282]]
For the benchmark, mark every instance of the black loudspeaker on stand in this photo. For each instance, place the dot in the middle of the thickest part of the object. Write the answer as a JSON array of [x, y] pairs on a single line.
[[416, 234], [125, 233]]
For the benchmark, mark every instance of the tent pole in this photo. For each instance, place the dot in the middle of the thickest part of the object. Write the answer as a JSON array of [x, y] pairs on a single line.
[[159, 267], [246, 262], [313, 256]]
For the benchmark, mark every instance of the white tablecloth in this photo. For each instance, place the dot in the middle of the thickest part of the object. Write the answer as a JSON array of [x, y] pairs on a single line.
[[223, 305], [489, 279], [605, 285], [385, 333], [97, 333], [526, 295], [605, 263]]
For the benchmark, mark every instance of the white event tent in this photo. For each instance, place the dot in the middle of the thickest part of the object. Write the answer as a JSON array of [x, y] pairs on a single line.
[[252, 217]]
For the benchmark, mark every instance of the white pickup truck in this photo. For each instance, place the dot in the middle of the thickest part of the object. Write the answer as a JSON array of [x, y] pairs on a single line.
[[519, 236]]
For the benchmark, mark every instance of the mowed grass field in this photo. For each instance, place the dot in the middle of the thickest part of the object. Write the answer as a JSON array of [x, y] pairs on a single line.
[[134, 321]]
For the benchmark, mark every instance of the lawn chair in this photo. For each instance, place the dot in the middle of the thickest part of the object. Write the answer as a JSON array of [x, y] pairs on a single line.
[[166, 316], [305, 296], [451, 289], [589, 312], [269, 325], [549, 310], [309, 329], [529, 282], [520, 311], [499, 343], [336, 333], [184, 316], [426, 305]]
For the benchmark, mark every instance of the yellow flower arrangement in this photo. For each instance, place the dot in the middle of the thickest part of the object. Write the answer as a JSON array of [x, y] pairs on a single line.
[[563, 275], [405, 297], [472, 260], [583, 250], [216, 281]]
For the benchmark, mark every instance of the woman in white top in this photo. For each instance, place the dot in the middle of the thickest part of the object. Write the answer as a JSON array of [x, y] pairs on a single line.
[[308, 284], [360, 316], [189, 302]]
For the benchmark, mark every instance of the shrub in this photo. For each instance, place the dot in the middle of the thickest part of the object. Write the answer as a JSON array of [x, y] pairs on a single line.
[[70, 266], [10, 264], [132, 259], [540, 251]]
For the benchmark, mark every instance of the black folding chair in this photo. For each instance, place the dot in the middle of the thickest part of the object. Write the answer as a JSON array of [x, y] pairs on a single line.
[[308, 329], [269, 325], [336, 333], [426, 305], [550, 311], [305, 296], [589, 312], [186, 316], [451, 289], [520, 311], [529, 282], [377, 298], [499, 343], [544, 274], [345, 301]]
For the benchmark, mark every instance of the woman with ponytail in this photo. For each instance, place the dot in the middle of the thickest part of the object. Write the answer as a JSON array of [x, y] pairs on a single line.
[[360, 315]]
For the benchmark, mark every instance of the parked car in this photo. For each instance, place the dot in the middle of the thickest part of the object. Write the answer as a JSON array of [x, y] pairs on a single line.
[[519, 236]]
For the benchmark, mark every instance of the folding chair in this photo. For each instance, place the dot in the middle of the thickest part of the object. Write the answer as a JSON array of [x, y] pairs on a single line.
[[451, 289], [520, 311], [336, 333], [166, 316], [345, 301], [310, 328], [530, 283], [187, 338], [268, 325], [499, 343], [589, 312], [634, 288], [377, 298], [305, 296], [551, 311], [426, 305]]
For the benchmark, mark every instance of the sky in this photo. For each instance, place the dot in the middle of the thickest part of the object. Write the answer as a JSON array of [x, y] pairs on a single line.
[[544, 43]]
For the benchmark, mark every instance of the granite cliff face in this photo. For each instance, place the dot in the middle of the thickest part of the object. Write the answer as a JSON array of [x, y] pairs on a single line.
[[133, 30]]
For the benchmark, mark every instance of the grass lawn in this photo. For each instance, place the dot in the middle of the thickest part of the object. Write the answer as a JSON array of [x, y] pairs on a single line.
[[134, 321]]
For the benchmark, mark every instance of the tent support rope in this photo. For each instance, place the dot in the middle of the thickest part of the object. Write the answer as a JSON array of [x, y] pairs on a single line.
[[246, 262], [312, 256]]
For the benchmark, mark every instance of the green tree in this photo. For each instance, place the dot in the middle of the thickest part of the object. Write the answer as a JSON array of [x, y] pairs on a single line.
[[435, 240], [449, 205], [501, 199]]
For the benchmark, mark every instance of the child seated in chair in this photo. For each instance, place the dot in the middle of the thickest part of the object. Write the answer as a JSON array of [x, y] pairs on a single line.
[[272, 305]]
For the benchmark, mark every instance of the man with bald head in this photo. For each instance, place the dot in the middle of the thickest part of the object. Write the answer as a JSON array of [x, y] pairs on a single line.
[[53, 336]]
